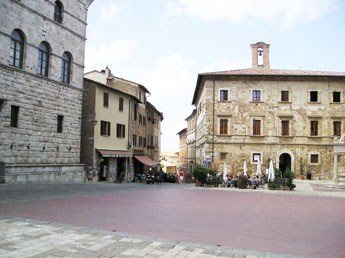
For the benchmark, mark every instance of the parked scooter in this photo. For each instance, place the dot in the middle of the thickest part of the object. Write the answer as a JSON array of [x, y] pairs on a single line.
[[150, 178]]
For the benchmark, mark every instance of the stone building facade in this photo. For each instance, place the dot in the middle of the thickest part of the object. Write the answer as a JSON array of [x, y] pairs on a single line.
[[258, 114], [182, 150], [41, 76], [139, 149], [190, 142]]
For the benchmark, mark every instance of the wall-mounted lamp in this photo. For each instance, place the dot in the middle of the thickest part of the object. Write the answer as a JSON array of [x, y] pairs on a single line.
[[94, 121], [70, 148], [28, 147]]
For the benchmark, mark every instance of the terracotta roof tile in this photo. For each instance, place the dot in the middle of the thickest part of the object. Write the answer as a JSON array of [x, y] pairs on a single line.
[[278, 72]]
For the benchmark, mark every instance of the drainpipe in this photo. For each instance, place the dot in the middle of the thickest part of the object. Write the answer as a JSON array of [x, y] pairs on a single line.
[[213, 111]]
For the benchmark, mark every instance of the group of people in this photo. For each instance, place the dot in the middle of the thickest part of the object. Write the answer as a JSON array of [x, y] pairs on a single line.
[[254, 182]]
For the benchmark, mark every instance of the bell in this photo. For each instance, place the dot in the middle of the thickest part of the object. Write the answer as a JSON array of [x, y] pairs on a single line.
[[260, 52]]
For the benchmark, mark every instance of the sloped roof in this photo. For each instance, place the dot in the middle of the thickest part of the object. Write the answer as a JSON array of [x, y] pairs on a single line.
[[266, 72], [275, 72]]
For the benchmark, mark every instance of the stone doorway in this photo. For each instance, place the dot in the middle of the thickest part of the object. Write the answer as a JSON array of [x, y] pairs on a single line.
[[284, 162]]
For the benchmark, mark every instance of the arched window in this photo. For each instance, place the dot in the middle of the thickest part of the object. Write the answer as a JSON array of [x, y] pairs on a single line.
[[43, 59], [65, 68], [17, 45], [58, 12]]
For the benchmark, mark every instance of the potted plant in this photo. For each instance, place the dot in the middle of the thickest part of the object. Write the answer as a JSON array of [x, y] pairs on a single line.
[[242, 182], [289, 175], [272, 186], [200, 174]]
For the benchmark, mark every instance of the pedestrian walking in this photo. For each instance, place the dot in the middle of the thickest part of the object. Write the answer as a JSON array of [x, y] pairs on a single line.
[[160, 176]]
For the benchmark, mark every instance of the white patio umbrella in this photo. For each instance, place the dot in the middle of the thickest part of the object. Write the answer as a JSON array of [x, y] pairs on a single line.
[[258, 168], [225, 172], [245, 168], [271, 172]]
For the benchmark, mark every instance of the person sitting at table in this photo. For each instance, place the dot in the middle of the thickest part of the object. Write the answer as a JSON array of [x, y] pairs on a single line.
[[257, 180], [233, 181], [250, 180]]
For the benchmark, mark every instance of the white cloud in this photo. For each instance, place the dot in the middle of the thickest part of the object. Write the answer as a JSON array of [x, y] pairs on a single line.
[[172, 73], [108, 12], [97, 56], [173, 9], [287, 13], [171, 82]]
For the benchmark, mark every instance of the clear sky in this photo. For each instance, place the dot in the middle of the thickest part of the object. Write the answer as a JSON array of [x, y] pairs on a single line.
[[164, 44]]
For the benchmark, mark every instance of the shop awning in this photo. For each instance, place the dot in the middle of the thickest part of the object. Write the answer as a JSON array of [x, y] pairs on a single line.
[[115, 154], [146, 161]]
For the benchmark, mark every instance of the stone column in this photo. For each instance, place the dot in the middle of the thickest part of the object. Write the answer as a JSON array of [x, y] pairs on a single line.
[[335, 170]]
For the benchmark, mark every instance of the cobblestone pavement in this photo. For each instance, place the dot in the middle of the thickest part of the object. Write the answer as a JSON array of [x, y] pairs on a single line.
[[28, 238]]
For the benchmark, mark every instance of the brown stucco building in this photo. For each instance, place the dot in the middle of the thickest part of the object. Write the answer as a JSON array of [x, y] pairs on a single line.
[[120, 128]]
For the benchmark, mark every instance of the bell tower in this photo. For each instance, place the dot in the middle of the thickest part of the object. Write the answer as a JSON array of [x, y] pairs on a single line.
[[260, 55]]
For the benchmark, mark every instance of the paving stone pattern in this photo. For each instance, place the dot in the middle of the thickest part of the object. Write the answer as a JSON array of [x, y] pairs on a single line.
[[28, 238]]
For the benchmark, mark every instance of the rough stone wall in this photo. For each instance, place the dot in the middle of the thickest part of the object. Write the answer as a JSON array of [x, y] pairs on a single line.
[[183, 150], [35, 152], [240, 110], [87, 128]]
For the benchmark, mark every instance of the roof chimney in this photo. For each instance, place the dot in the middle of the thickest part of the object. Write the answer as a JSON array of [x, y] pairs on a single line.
[[107, 71], [260, 55]]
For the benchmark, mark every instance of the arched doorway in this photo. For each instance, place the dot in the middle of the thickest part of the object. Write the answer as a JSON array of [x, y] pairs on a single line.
[[284, 162]]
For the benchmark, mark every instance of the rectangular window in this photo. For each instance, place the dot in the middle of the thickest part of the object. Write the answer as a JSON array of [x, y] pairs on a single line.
[[256, 127], [223, 95], [140, 95], [14, 116], [135, 111], [105, 128], [140, 119], [223, 155], [313, 96], [314, 158], [120, 131], [284, 96], [336, 96], [134, 140], [120, 104], [314, 128], [144, 141], [144, 120], [337, 128], [59, 124], [151, 140], [105, 99], [140, 141], [256, 157], [256, 95], [223, 126], [285, 127]]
